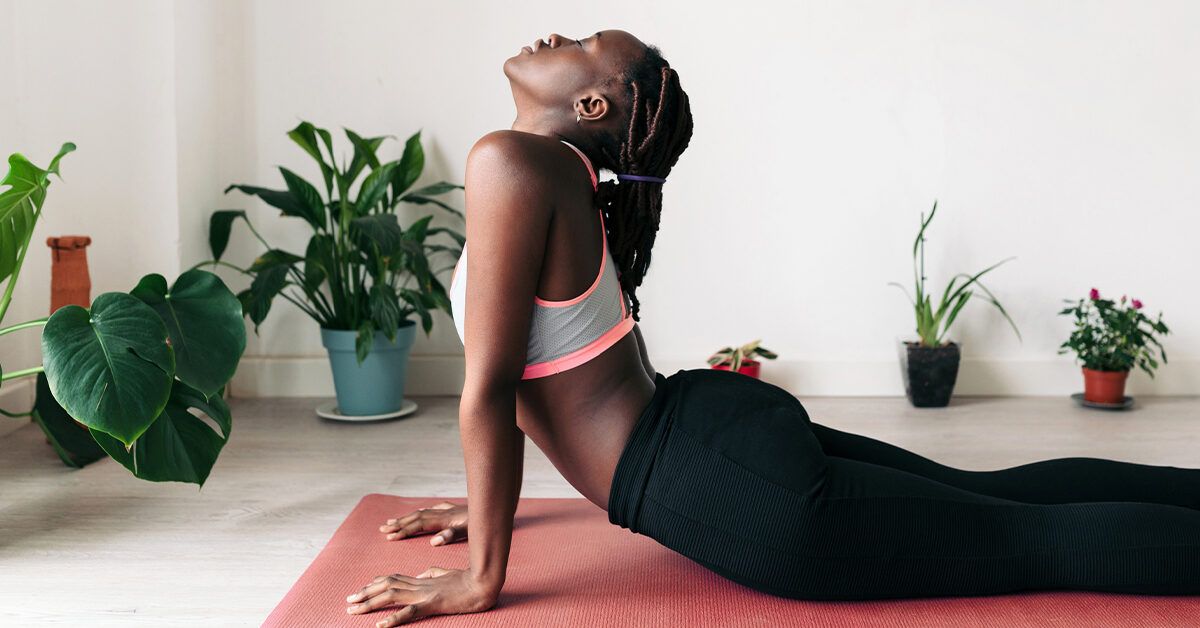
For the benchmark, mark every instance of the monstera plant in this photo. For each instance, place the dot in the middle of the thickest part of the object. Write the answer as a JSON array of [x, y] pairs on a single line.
[[135, 368]]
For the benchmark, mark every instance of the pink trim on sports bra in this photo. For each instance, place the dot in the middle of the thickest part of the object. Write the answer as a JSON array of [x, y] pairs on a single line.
[[575, 358], [595, 282]]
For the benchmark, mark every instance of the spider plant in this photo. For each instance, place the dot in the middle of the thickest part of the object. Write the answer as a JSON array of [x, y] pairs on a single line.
[[934, 322]]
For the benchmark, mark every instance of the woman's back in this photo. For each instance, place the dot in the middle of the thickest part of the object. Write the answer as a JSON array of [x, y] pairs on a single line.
[[580, 409]]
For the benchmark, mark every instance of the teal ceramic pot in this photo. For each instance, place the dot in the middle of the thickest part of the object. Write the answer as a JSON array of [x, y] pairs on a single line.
[[377, 385]]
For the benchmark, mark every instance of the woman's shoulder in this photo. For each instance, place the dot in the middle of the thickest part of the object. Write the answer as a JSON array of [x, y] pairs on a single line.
[[515, 153]]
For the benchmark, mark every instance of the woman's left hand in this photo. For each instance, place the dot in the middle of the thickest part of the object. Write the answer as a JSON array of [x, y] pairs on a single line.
[[437, 591]]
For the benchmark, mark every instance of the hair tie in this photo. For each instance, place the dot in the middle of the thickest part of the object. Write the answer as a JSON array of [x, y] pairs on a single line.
[[638, 177]]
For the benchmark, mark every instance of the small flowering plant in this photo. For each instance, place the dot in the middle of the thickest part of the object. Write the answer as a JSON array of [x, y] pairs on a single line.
[[736, 356], [1114, 336]]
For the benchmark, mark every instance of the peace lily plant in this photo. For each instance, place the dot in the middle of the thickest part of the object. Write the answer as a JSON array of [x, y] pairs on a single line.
[[356, 269], [134, 366]]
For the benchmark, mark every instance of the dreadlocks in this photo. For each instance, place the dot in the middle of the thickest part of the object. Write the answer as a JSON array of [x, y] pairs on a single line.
[[660, 126]]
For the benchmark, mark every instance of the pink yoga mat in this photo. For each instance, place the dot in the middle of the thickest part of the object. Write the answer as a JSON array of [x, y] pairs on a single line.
[[571, 567]]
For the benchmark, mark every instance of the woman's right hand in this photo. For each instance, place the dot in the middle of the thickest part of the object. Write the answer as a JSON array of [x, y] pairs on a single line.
[[447, 519]]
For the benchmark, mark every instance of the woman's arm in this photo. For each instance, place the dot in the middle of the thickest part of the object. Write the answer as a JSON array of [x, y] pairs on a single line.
[[507, 232], [509, 220]]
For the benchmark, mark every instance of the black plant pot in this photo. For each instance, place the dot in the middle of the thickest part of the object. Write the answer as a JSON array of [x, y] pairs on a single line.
[[929, 373]]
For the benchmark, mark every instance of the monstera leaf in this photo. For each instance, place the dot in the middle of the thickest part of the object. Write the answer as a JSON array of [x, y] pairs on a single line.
[[73, 445], [20, 205], [178, 446], [110, 368], [204, 323]]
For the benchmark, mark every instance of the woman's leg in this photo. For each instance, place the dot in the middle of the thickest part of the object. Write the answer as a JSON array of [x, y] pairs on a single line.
[[1056, 481], [739, 483]]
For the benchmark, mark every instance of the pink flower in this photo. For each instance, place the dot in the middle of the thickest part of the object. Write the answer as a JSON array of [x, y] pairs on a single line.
[[1094, 294], [1137, 305], [1122, 298]]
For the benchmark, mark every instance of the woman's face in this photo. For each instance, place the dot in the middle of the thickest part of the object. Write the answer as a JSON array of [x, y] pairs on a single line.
[[559, 71]]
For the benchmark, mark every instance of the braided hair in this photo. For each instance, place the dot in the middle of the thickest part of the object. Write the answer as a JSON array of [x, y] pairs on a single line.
[[660, 127]]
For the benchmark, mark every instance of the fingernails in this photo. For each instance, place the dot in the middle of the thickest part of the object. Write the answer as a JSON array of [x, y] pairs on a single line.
[[438, 540]]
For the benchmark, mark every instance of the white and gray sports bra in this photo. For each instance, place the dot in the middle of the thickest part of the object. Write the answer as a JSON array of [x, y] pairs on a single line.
[[563, 334]]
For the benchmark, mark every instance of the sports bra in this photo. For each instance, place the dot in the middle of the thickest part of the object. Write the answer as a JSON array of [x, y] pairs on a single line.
[[563, 334]]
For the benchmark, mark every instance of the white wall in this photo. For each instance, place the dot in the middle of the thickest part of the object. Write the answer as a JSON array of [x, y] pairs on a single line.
[[1067, 135]]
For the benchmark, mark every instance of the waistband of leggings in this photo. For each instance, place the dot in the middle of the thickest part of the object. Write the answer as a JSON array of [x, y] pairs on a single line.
[[637, 458]]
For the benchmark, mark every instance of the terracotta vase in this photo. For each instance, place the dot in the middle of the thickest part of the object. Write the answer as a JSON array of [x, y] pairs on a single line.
[[1104, 386], [748, 367], [70, 282]]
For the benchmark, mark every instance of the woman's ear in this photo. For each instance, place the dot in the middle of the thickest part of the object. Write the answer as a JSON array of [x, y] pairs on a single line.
[[591, 106]]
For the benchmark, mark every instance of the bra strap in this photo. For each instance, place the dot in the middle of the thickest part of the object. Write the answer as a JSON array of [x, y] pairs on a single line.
[[587, 162]]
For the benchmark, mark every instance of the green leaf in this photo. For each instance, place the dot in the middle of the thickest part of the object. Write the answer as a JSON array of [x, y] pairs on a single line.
[[441, 187], [204, 323], [456, 236], [385, 309], [414, 299], [363, 341], [178, 446], [307, 196], [422, 200], [284, 201], [74, 446], [272, 258], [412, 162], [380, 229], [266, 286], [219, 226], [305, 136], [19, 206], [364, 153], [373, 188], [318, 261], [110, 368]]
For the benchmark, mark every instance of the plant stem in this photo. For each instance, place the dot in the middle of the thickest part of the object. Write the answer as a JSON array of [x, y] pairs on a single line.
[[15, 415], [215, 262], [9, 330], [33, 370]]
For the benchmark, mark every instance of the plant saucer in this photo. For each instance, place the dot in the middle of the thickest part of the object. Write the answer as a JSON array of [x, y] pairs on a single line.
[[329, 410], [1125, 402]]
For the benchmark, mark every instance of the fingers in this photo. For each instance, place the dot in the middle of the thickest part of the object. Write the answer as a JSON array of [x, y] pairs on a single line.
[[379, 585], [417, 522], [408, 613], [395, 593], [447, 536]]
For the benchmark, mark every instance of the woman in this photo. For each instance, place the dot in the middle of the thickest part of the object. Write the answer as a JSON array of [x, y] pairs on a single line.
[[723, 468]]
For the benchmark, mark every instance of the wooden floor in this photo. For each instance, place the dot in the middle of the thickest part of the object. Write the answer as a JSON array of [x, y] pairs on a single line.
[[97, 547]]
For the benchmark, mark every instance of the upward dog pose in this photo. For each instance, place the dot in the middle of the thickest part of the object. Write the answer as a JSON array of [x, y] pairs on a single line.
[[723, 468]]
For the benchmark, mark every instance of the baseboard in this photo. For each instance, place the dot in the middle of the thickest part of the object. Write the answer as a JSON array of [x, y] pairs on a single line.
[[15, 397], [443, 375]]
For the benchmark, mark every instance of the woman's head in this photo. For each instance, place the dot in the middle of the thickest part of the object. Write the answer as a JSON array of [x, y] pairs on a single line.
[[619, 101]]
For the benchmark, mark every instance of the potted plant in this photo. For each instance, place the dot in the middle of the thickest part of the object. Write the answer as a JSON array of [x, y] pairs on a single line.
[[929, 364], [1110, 339], [353, 277], [135, 368], [740, 359]]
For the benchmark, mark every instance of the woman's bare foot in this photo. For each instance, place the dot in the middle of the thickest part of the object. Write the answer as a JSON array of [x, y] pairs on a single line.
[[447, 519]]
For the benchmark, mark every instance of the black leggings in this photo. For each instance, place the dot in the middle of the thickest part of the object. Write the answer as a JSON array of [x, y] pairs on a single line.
[[729, 471]]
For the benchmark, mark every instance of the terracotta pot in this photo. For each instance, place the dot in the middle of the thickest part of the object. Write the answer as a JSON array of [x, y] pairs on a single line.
[[1104, 386], [748, 367], [70, 282]]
